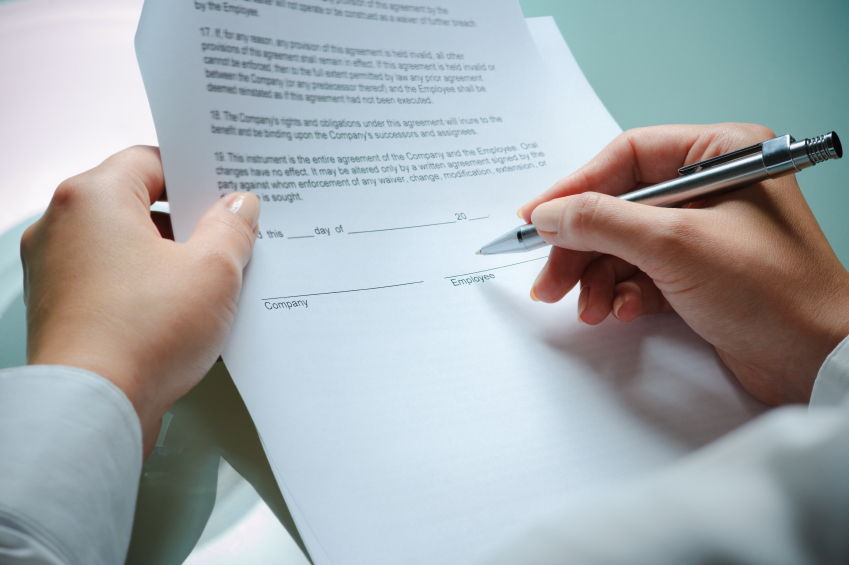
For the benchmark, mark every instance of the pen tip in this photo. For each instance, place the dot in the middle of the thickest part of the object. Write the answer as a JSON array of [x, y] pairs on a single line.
[[478, 252]]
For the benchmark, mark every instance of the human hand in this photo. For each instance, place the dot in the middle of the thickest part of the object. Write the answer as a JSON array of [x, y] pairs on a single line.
[[107, 293], [751, 272]]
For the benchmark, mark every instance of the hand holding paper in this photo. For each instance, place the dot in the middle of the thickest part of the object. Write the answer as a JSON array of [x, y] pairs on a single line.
[[144, 312]]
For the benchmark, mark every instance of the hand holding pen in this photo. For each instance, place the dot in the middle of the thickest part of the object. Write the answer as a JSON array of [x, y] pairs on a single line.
[[751, 272], [731, 171]]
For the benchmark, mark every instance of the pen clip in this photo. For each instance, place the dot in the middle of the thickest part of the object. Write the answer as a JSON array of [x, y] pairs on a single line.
[[724, 158]]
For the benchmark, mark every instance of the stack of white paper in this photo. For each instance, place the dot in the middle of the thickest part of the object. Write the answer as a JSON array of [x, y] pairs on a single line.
[[415, 404]]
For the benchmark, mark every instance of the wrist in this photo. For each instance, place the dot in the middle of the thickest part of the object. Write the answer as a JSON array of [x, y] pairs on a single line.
[[828, 326], [125, 375]]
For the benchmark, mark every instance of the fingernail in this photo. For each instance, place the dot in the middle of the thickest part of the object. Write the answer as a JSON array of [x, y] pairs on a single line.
[[617, 305], [534, 296], [519, 212], [245, 205], [546, 216], [583, 298]]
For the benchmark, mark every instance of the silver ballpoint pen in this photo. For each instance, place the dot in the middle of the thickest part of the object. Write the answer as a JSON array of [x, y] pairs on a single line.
[[772, 158]]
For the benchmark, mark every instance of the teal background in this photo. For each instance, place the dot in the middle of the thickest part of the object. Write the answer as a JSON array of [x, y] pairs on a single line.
[[779, 63]]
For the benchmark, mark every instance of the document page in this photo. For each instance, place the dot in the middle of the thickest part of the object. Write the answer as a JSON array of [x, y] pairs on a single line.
[[416, 406]]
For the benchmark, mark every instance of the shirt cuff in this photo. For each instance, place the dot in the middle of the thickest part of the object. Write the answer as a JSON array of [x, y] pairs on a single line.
[[71, 446], [832, 382]]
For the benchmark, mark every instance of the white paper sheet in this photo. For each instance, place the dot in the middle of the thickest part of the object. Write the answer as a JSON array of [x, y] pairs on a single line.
[[416, 405]]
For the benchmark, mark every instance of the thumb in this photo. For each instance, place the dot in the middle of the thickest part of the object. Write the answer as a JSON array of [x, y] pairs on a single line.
[[229, 227], [589, 221]]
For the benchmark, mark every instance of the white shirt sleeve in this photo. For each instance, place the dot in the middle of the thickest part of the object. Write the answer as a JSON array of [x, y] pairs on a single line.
[[774, 492], [832, 384], [70, 460]]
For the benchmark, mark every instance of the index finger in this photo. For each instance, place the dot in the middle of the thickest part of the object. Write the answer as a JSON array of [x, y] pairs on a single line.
[[130, 180], [137, 170], [649, 155]]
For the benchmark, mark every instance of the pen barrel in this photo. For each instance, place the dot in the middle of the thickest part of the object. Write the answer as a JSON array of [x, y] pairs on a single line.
[[529, 238], [773, 158], [708, 182]]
